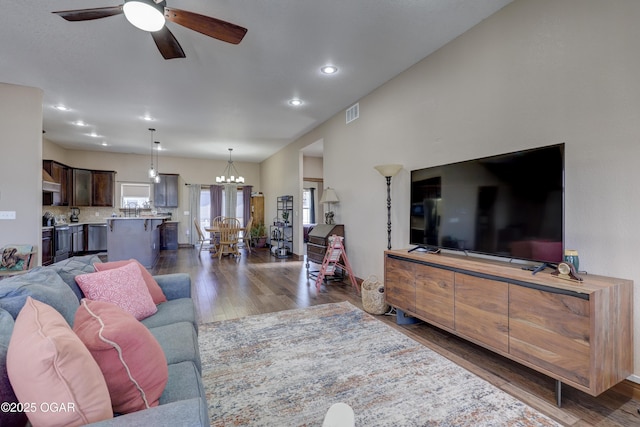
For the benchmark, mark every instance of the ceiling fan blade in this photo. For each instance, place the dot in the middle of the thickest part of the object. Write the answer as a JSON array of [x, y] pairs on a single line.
[[206, 25], [88, 14], [167, 44]]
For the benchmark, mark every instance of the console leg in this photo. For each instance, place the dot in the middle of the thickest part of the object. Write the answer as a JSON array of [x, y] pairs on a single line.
[[559, 393]]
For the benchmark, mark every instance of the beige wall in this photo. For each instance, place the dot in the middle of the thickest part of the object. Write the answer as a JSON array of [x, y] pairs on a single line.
[[134, 167], [20, 165], [312, 167], [538, 72]]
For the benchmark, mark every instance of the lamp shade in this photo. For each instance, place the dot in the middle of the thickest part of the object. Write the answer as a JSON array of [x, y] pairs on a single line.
[[329, 196], [388, 170]]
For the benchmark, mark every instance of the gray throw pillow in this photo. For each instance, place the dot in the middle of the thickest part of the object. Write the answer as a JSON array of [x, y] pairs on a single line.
[[42, 284], [69, 268]]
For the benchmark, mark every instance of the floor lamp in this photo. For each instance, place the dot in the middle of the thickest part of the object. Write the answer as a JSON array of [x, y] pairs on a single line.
[[388, 171]]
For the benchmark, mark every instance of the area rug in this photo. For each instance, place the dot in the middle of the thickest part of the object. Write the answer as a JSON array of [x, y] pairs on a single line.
[[287, 368]]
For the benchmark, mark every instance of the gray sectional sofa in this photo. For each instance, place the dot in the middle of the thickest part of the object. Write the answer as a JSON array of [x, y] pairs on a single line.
[[174, 325]]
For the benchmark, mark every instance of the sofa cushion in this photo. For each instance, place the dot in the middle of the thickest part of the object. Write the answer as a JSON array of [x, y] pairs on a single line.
[[7, 418], [183, 413], [173, 311], [185, 383], [179, 342], [130, 358], [175, 285], [42, 284], [156, 293], [122, 286], [69, 268], [47, 363]]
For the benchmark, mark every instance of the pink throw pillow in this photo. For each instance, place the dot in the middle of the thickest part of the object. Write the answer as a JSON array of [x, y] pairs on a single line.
[[154, 289], [47, 363], [123, 286], [129, 356]]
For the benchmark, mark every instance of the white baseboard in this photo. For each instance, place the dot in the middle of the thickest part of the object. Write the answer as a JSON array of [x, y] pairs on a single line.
[[634, 378]]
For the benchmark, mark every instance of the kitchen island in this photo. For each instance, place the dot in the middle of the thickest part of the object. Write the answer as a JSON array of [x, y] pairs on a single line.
[[134, 237]]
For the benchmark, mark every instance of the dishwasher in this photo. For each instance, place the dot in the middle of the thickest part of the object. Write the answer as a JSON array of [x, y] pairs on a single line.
[[97, 241]]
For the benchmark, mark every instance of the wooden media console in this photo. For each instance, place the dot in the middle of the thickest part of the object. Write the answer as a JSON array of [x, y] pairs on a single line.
[[579, 333]]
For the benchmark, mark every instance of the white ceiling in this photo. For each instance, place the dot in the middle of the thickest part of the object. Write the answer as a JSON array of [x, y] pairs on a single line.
[[110, 74]]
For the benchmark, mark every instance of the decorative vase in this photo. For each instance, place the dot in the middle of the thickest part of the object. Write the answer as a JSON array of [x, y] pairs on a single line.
[[571, 255]]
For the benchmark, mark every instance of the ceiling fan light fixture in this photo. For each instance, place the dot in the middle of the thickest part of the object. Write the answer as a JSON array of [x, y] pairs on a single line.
[[146, 15]]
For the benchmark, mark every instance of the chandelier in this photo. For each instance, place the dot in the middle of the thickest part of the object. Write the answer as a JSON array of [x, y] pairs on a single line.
[[230, 174]]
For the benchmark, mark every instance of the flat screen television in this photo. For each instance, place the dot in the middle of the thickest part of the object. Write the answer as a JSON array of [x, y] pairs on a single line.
[[509, 205]]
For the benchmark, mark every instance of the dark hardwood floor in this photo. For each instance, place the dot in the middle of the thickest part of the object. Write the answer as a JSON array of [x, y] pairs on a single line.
[[259, 283]]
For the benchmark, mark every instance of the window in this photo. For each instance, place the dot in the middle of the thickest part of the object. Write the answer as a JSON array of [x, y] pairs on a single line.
[[135, 195], [239, 211], [306, 206], [205, 208]]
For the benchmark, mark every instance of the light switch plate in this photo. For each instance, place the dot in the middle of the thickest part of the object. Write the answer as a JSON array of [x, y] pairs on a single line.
[[7, 214]]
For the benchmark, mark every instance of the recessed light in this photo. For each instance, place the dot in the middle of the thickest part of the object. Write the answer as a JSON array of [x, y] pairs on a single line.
[[60, 107], [104, 143], [147, 118], [94, 134], [329, 69], [295, 102], [79, 123]]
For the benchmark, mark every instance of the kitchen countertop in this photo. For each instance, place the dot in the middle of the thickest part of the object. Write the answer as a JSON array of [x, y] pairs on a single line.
[[104, 221], [138, 217], [50, 227]]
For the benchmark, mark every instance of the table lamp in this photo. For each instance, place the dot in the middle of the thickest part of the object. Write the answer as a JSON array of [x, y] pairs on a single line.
[[329, 196]]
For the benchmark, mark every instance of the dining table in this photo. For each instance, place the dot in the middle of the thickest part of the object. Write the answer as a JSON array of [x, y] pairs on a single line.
[[215, 231]]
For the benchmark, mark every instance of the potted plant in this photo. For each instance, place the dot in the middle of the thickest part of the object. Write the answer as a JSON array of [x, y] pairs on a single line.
[[258, 235], [285, 217]]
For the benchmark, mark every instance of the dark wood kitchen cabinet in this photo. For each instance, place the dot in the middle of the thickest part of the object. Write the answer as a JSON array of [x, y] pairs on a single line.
[[47, 246], [81, 187], [93, 188], [165, 192], [62, 175], [169, 235], [102, 188]]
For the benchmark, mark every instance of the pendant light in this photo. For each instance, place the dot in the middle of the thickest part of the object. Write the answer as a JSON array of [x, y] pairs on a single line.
[[156, 178], [152, 171]]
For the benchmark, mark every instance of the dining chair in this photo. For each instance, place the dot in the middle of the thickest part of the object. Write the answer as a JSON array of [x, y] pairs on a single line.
[[201, 237], [246, 234], [229, 230], [215, 234]]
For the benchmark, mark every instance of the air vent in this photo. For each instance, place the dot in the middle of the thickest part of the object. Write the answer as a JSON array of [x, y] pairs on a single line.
[[353, 112]]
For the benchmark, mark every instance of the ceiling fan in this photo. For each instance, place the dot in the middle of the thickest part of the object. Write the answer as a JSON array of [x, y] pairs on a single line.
[[150, 15]]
